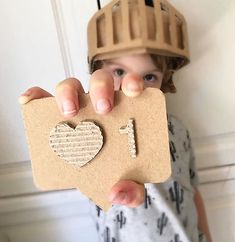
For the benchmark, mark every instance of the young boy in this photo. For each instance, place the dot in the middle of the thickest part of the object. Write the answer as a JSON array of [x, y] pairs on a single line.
[[171, 211]]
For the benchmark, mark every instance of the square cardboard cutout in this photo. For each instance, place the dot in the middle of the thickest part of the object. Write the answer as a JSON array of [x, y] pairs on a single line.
[[113, 162]]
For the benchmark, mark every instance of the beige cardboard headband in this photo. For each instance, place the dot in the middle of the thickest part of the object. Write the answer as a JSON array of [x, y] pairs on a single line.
[[132, 27]]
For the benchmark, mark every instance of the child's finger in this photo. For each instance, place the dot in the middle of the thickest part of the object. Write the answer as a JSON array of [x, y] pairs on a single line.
[[127, 193], [33, 93], [67, 96], [132, 85], [102, 91]]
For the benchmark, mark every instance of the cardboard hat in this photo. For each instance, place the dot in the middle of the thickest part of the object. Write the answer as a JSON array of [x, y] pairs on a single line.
[[134, 27]]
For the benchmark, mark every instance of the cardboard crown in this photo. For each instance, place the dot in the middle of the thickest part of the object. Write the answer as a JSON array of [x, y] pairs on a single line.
[[132, 27]]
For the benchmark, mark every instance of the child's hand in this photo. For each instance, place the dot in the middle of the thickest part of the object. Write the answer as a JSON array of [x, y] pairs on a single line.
[[67, 96], [127, 192], [33, 93], [102, 88]]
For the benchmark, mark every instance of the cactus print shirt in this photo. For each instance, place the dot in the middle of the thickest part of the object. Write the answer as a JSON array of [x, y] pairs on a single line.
[[168, 213]]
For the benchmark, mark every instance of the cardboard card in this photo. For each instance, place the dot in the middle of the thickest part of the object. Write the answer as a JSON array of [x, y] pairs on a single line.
[[92, 152]]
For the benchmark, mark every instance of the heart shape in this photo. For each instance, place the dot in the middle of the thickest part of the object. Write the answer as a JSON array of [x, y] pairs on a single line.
[[76, 146]]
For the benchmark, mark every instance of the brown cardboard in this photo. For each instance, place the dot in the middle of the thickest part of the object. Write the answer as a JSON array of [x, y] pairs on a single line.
[[131, 27], [113, 162], [77, 145]]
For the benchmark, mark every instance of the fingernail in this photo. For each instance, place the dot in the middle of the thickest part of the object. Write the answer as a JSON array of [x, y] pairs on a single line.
[[23, 99], [69, 108], [103, 106], [120, 198]]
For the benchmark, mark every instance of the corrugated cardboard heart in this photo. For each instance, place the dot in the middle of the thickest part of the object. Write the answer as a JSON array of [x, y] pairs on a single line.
[[76, 145], [113, 162]]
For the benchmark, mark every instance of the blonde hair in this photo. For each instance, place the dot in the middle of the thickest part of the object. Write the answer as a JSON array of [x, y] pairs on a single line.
[[168, 65]]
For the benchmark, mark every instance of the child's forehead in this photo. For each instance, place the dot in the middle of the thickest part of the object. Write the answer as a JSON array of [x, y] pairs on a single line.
[[143, 61], [130, 57]]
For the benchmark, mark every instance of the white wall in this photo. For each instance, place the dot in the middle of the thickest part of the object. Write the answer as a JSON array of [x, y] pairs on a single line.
[[30, 55], [206, 88]]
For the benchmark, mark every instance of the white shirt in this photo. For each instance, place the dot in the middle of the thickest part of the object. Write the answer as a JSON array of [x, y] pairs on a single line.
[[168, 213]]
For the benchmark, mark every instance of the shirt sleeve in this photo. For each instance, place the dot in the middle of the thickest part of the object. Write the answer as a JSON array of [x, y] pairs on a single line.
[[194, 179]]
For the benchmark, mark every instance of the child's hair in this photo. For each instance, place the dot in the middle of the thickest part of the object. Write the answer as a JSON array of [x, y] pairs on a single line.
[[167, 66]]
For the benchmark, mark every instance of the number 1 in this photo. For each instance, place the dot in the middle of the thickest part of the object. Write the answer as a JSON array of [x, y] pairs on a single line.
[[130, 131]]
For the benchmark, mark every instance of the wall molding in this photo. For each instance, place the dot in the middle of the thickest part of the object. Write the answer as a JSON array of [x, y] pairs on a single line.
[[71, 19], [62, 37], [215, 151], [43, 207], [66, 229]]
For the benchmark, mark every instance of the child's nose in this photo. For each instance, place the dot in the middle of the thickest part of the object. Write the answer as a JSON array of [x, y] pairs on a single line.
[[132, 84]]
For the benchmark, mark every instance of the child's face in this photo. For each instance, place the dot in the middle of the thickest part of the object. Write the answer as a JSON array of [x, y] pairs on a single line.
[[140, 64]]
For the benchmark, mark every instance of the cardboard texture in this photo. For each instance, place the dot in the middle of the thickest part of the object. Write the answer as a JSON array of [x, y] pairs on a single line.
[[113, 162], [76, 146], [131, 27]]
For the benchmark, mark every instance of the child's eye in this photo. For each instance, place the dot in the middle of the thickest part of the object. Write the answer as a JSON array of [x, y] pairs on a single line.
[[119, 72], [150, 78]]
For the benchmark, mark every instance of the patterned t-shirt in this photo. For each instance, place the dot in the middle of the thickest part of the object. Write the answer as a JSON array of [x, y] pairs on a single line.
[[168, 213]]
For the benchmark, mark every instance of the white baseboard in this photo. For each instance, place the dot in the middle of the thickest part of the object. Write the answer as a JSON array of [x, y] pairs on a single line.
[[21, 202], [43, 207], [67, 229], [16, 179]]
